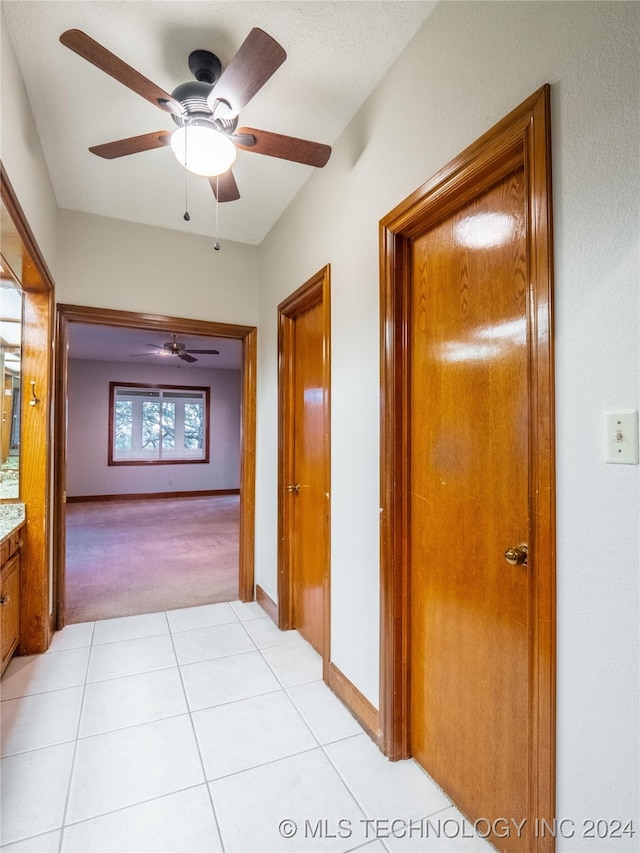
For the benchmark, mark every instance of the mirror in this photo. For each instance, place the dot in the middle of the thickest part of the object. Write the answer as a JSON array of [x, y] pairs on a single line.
[[10, 339]]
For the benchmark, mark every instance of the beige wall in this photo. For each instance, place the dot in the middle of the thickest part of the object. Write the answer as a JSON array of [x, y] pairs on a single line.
[[21, 153], [108, 263], [88, 418]]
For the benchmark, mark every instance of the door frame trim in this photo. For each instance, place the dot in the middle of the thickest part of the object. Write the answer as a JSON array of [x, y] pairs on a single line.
[[30, 269], [522, 138], [67, 314], [315, 291]]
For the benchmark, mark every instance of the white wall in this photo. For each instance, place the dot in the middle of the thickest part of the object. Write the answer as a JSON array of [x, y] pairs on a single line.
[[108, 263], [470, 64], [22, 155], [88, 429]]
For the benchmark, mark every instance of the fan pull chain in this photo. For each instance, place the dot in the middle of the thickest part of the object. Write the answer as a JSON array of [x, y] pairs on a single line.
[[216, 245], [186, 199], [186, 181]]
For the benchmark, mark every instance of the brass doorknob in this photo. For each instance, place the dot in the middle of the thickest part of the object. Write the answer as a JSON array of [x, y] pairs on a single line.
[[293, 487], [517, 556]]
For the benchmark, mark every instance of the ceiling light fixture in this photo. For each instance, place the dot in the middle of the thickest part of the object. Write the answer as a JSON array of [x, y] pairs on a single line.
[[203, 150]]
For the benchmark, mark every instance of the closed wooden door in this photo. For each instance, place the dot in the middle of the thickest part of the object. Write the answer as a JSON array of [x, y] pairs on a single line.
[[304, 462], [309, 502], [469, 487]]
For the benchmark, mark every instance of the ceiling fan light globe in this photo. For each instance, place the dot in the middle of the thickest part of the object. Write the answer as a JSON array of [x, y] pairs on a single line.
[[203, 150]]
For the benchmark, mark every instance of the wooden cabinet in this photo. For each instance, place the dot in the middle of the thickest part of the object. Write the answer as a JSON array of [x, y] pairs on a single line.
[[10, 596]]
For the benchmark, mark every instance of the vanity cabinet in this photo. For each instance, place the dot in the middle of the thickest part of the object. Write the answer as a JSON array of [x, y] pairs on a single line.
[[10, 596]]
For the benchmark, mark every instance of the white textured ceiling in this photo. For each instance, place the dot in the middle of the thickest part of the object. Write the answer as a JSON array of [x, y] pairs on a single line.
[[336, 54]]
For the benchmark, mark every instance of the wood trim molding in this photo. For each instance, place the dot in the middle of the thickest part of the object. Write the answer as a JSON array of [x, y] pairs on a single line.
[[267, 603], [248, 465], [154, 322], [356, 702], [150, 496], [521, 139], [317, 290], [60, 471], [29, 267], [24, 260]]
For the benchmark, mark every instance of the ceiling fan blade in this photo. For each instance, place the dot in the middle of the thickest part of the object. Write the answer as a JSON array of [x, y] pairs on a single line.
[[224, 187], [285, 147], [204, 351], [186, 357], [133, 145], [88, 49], [258, 57]]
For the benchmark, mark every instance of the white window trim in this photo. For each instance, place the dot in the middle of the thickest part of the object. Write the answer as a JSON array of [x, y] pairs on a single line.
[[160, 393]]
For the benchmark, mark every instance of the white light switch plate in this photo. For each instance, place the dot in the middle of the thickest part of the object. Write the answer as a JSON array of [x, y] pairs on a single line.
[[621, 437]]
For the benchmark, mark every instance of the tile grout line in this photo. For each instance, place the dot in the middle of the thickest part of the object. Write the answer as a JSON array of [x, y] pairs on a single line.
[[171, 666], [264, 764], [313, 734], [191, 713], [405, 823], [42, 656], [118, 809], [197, 743], [150, 799], [234, 621], [361, 848], [75, 744], [315, 737]]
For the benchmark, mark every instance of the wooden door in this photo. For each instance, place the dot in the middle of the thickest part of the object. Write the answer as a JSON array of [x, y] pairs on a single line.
[[469, 503], [467, 459], [304, 462], [309, 508]]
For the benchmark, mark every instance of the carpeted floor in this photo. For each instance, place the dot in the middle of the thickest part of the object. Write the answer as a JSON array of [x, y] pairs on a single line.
[[130, 557]]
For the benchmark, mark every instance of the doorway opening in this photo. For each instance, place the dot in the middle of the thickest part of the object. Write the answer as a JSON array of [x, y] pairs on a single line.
[[175, 427]]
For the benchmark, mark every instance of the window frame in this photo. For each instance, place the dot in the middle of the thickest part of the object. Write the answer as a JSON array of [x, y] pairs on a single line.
[[202, 390]]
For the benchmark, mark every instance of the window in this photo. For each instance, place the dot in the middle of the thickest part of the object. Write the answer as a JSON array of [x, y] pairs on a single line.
[[157, 424]]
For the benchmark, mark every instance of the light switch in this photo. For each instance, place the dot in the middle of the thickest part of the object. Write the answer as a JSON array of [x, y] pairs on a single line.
[[621, 437]]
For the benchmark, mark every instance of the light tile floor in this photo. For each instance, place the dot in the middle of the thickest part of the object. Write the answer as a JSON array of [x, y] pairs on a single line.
[[204, 729]]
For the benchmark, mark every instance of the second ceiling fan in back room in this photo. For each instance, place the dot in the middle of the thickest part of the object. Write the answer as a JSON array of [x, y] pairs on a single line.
[[206, 110], [176, 347]]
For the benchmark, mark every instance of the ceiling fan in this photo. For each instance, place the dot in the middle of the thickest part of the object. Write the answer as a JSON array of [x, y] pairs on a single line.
[[205, 110], [176, 347]]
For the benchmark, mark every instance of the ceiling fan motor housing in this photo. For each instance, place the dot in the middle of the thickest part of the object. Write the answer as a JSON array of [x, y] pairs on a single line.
[[174, 346], [207, 69], [193, 97]]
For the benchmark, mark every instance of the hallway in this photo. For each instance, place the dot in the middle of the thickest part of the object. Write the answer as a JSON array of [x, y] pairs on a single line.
[[202, 729]]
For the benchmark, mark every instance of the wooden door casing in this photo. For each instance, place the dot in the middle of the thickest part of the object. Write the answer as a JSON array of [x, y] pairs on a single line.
[[304, 461], [22, 255], [68, 314], [518, 143]]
